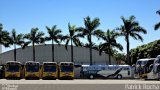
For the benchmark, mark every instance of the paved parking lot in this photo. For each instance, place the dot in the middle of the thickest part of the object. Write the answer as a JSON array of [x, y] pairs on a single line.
[[79, 81], [78, 84]]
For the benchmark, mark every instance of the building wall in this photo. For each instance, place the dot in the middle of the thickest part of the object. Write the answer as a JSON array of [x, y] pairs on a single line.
[[43, 53]]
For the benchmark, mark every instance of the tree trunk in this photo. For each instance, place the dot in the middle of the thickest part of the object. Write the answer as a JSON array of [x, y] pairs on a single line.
[[52, 51], [109, 55], [72, 51], [109, 59], [128, 54], [15, 52], [90, 42], [33, 51]]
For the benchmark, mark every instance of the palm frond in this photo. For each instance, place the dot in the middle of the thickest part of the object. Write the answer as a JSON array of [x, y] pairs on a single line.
[[65, 37], [33, 32], [132, 18], [98, 33], [139, 37], [139, 29], [48, 38], [157, 26], [77, 42], [118, 46], [25, 44], [158, 12], [95, 23], [103, 47], [27, 36], [67, 41]]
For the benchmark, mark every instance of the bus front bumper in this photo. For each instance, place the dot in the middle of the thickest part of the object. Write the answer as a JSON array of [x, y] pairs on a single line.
[[66, 77], [12, 75], [35, 75], [49, 75]]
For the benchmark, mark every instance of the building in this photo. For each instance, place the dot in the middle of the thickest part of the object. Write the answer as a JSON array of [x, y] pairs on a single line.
[[44, 53]]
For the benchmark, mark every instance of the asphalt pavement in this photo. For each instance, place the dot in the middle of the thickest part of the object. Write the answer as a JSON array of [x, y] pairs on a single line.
[[79, 84]]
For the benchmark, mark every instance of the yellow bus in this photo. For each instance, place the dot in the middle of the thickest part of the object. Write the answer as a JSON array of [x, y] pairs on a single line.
[[13, 69], [49, 70], [66, 70], [32, 70]]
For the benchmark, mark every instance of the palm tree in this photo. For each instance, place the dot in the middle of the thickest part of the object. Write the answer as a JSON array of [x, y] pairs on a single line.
[[131, 28], [16, 40], [55, 36], [73, 37], [4, 37], [89, 30], [34, 37], [157, 26], [110, 42]]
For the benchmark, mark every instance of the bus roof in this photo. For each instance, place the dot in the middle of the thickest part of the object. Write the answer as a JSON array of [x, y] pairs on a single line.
[[31, 62], [158, 56], [146, 59], [50, 62], [65, 62], [13, 62], [105, 65]]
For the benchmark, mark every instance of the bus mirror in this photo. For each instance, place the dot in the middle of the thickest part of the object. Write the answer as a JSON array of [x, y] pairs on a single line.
[[133, 65], [150, 67]]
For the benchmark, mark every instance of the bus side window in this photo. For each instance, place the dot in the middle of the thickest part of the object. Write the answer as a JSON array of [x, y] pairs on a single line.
[[129, 72], [103, 68]]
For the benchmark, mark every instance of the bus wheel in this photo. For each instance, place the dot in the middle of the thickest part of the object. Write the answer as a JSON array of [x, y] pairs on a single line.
[[91, 77], [119, 76]]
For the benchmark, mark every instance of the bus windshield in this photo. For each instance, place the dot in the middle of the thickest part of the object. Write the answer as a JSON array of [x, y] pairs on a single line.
[[138, 63], [138, 68], [144, 63], [67, 68], [158, 61], [32, 68], [49, 68], [12, 68], [158, 68]]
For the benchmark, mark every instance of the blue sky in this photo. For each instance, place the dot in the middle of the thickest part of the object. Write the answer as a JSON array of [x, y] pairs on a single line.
[[26, 14]]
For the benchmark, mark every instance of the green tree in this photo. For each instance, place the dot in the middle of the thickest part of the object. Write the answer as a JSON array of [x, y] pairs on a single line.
[[131, 28], [4, 37], [150, 50], [16, 40], [73, 37], [55, 36], [157, 26], [110, 42], [90, 30], [34, 37]]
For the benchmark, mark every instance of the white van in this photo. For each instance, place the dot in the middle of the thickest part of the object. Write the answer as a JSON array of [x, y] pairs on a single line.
[[106, 71]]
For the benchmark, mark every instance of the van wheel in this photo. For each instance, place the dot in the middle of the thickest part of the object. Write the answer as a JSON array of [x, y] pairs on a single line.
[[119, 76], [91, 77]]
